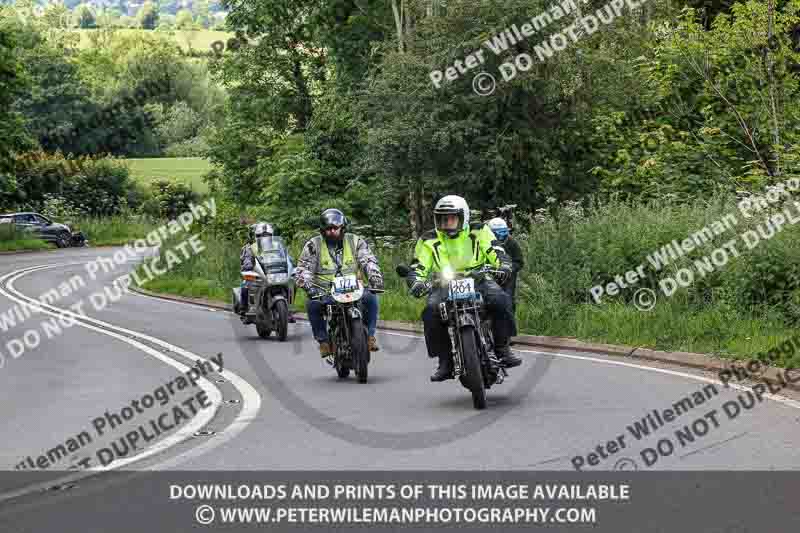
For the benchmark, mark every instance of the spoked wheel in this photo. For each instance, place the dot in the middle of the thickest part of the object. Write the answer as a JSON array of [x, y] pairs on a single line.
[[343, 372], [360, 349], [340, 364], [473, 377]]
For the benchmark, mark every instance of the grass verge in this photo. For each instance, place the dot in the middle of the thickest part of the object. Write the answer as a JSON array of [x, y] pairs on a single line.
[[18, 245], [114, 231], [15, 241], [673, 325]]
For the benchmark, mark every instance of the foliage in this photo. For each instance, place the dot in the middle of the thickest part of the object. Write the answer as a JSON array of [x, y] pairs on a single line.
[[148, 16], [93, 185], [172, 198], [14, 81]]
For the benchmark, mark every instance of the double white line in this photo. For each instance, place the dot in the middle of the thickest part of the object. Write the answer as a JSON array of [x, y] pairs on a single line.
[[251, 402]]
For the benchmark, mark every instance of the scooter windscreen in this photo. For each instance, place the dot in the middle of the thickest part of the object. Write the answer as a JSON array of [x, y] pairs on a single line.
[[272, 254]]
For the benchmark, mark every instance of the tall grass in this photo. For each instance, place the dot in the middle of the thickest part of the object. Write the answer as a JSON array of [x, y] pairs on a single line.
[[12, 240], [209, 274], [114, 230]]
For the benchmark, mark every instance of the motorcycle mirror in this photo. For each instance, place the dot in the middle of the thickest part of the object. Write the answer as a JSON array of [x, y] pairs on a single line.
[[402, 271]]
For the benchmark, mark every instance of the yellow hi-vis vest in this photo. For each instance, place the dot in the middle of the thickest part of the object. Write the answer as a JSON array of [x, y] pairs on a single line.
[[326, 266]]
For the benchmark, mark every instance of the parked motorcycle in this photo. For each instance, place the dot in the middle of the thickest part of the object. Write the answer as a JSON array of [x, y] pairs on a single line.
[[270, 289], [347, 329], [469, 327]]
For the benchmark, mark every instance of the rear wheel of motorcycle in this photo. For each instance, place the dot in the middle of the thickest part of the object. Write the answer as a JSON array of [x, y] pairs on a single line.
[[282, 319], [473, 380], [358, 344]]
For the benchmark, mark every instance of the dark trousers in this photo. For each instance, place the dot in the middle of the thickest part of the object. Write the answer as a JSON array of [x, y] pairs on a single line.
[[497, 302], [510, 288], [245, 297], [369, 306]]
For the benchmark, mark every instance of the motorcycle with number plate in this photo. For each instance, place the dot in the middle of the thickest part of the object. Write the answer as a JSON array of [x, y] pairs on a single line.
[[469, 328], [270, 289], [347, 329]]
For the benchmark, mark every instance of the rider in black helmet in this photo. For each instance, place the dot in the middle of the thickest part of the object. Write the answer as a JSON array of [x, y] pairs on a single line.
[[334, 251]]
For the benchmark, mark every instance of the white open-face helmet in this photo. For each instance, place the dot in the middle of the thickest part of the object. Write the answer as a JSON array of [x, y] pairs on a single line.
[[499, 228], [451, 205]]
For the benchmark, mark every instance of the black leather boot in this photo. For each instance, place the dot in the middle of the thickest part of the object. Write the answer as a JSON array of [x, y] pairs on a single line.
[[507, 357], [445, 370]]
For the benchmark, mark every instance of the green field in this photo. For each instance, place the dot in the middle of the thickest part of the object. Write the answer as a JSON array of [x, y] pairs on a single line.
[[196, 39], [188, 170]]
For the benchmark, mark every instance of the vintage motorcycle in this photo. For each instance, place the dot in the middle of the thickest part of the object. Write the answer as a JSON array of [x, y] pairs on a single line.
[[469, 327], [347, 329], [270, 289]]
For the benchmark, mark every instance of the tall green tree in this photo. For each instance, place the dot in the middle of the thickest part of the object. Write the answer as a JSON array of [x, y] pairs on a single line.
[[14, 82], [184, 20], [85, 16], [148, 16]]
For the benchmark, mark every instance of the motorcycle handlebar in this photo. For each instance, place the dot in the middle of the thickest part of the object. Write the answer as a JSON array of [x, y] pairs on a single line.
[[326, 290]]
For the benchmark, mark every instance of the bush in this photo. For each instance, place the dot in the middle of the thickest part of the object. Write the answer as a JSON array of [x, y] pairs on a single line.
[[93, 185], [59, 208], [178, 124], [567, 256], [172, 198], [194, 147]]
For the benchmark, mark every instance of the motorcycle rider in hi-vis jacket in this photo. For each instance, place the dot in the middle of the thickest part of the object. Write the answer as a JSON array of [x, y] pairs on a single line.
[[457, 246]]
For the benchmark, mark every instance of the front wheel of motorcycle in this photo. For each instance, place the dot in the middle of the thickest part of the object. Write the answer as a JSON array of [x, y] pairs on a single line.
[[360, 350], [281, 319], [473, 377], [342, 371]]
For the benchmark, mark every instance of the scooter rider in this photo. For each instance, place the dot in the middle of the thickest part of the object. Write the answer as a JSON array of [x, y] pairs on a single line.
[[250, 252], [247, 258], [457, 246], [336, 249]]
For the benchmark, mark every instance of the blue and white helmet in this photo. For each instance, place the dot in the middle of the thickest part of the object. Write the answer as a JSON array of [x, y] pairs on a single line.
[[499, 228]]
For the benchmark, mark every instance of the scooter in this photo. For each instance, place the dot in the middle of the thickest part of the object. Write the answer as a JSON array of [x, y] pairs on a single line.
[[270, 290]]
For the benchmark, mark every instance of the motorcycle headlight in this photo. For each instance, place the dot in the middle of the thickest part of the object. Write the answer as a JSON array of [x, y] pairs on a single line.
[[278, 278], [447, 274]]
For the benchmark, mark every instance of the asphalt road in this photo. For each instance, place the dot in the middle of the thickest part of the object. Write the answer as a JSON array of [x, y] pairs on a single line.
[[277, 406]]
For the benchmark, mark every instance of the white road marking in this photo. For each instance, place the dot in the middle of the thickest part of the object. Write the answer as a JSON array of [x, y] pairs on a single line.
[[251, 397]]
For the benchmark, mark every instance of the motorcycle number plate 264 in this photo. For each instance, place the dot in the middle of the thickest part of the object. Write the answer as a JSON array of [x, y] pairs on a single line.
[[345, 284], [462, 288]]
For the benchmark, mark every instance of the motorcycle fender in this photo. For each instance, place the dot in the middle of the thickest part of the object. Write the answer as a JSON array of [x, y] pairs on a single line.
[[468, 320], [274, 298]]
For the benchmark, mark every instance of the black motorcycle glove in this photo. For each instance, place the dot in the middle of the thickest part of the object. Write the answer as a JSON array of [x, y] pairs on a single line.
[[503, 274], [313, 292], [376, 282], [419, 289]]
